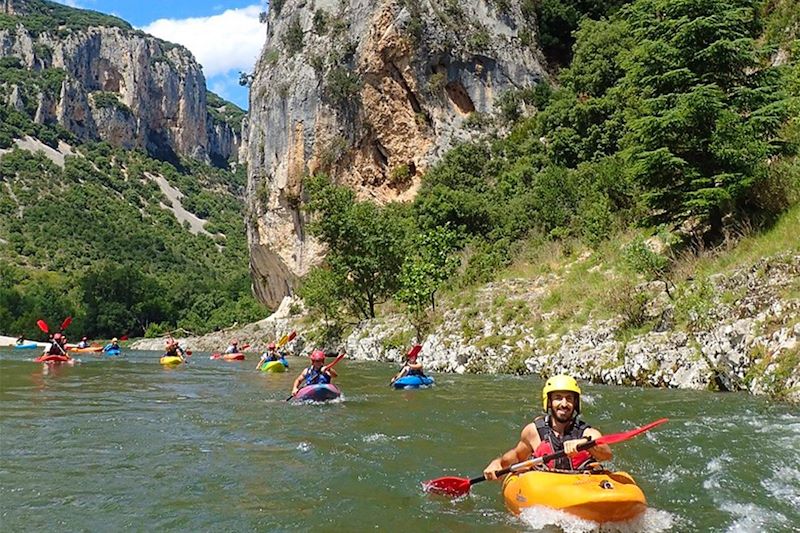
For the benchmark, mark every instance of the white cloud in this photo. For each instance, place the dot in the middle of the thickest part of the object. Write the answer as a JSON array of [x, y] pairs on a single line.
[[229, 41]]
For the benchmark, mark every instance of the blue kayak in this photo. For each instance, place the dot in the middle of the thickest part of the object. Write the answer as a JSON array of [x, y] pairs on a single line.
[[112, 352], [413, 382], [25, 346]]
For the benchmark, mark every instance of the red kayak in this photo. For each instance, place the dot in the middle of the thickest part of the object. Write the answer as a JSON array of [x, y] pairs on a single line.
[[52, 359], [228, 356]]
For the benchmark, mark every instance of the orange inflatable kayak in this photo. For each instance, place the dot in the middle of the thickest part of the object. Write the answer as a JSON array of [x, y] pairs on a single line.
[[598, 496], [90, 349]]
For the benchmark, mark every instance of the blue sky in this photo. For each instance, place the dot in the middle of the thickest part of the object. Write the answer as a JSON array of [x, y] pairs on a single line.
[[224, 35]]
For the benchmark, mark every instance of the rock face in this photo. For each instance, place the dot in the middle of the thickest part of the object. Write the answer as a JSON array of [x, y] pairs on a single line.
[[122, 86], [743, 333], [371, 93]]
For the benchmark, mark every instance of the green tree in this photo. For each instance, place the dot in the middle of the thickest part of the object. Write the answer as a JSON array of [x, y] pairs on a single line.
[[428, 264], [365, 242], [121, 299], [708, 111]]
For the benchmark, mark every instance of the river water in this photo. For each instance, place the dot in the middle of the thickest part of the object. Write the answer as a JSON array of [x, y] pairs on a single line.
[[213, 446]]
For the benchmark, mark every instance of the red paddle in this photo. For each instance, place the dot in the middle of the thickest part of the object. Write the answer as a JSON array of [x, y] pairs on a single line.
[[459, 486], [414, 351], [46, 329], [333, 363]]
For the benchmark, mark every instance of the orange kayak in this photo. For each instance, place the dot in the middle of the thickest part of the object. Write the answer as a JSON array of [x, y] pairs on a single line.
[[90, 349], [596, 496]]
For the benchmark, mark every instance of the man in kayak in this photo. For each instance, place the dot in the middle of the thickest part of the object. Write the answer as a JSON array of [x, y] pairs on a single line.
[[84, 343], [113, 346], [559, 429], [314, 374], [412, 367], [233, 347], [270, 355], [57, 345], [173, 349]]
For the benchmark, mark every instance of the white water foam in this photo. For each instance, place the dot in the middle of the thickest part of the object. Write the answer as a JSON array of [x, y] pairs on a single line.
[[715, 471], [752, 518], [547, 519], [784, 485], [380, 437], [304, 447]]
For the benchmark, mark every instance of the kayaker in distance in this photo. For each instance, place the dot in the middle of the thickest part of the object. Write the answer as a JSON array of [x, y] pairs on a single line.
[[112, 346], [314, 374], [412, 367], [559, 429], [173, 349], [270, 355], [233, 347], [20, 340], [84, 343]]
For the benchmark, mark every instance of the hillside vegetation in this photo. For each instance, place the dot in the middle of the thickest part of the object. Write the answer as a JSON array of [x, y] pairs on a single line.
[[88, 232], [673, 132]]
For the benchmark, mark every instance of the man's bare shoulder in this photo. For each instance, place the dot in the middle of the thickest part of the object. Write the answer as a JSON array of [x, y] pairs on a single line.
[[530, 433]]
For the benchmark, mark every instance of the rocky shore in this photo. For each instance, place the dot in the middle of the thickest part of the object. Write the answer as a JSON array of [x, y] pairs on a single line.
[[742, 334]]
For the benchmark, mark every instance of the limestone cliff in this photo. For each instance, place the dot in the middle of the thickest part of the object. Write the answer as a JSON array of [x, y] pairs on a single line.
[[111, 82], [372, 93]]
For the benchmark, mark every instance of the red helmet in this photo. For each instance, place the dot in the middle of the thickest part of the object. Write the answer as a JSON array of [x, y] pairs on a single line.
[[271, 346], [317, 355], [57, 337]]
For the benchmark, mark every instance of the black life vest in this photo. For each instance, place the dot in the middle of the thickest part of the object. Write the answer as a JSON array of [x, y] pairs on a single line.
[[556, 443], [414, 372]]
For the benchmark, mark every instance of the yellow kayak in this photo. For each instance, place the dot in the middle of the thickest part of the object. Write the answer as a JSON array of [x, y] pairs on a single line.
[[598, 496], [171, 360], [273, 366]]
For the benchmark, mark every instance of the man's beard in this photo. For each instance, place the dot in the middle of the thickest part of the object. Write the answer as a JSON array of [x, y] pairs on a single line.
[[564, 420]]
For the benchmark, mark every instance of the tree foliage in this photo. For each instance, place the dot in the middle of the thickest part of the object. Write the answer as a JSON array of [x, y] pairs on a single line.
[[365, 243]]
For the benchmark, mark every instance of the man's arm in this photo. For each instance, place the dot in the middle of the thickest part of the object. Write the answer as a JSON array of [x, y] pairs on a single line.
[[518, 453], [297, 380], [601, 452]]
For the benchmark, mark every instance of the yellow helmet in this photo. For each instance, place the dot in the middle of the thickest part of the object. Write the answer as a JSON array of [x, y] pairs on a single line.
[[561, 382]]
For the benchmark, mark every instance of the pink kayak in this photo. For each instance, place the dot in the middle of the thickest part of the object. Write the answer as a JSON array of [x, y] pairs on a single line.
[[318, 393], [52, 359]]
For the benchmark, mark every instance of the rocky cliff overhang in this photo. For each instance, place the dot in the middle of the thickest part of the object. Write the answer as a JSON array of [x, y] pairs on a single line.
[[371, 93]]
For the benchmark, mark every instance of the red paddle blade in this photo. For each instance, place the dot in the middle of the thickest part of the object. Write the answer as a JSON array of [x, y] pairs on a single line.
[[333, 363], [43, 325], [215, 355], [123, 338], [414, 351], [66, 323], [619, 437], [292, 335], [448, 486]]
